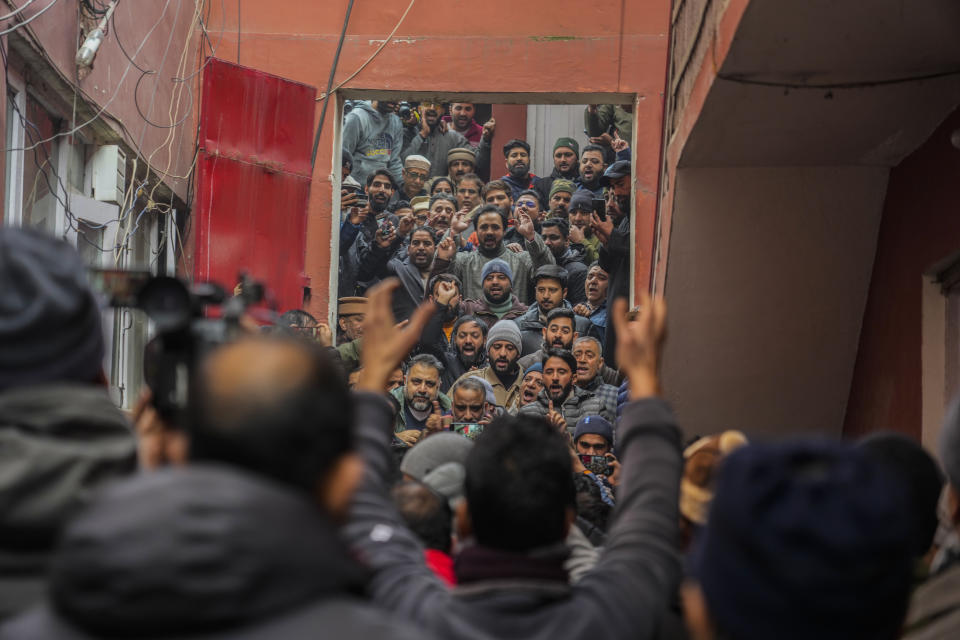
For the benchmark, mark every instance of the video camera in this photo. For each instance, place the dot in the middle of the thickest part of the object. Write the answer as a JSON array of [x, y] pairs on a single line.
[[184, 330]]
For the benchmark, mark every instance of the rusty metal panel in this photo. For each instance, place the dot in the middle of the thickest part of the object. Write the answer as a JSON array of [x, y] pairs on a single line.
[[253, 180]]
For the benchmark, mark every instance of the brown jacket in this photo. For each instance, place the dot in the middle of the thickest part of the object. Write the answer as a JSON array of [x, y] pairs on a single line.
[[481, 309], [508, 398], [935, 609]]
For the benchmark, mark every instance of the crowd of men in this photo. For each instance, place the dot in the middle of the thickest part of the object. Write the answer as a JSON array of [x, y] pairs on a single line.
[[485, 454]]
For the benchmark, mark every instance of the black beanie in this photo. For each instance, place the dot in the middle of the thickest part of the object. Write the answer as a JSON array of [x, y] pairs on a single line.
[[49, 320]]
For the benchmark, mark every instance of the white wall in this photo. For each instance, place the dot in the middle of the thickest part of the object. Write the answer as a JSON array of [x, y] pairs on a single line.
[[767, 280], [546, 123]]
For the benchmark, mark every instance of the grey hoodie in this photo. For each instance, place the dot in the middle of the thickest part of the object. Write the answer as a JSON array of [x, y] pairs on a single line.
[[375, 141], [57, 443]]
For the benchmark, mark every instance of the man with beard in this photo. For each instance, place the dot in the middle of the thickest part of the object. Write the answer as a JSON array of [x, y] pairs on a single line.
[[517, 155], [550, 289], [566, 166], [465, 350], [421, 403], [559, 331], [502, 371], [531, 384], [373, 136], [580, 217], [461, 117], [360, 227], [588, 352], [413, 271], [491, 224], [592, 165], [460, 162], [559, 201], [560, 402], [614, 234], [442, 208], [435, 139], [498, 301], [555, 232], [595, 308]]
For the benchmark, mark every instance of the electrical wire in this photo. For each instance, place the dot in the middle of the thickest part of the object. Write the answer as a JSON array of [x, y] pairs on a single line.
[[862, 84], [30, 19], [18, 10], [375, 53], [333, 71], [103, 108]]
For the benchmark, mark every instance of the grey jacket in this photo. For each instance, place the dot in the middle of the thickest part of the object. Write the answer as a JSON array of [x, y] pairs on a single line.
[[467, 265], [375, 141], [625, 596], [204, 551], [531, 327], [57, 443], [935, 608], [435, 148], [580, 403]]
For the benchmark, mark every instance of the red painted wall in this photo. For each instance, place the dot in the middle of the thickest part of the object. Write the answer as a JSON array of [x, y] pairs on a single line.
[[539, 46], [921, 226]]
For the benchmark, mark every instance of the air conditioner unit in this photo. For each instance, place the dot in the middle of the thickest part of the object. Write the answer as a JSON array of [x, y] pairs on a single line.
[[108, 171]]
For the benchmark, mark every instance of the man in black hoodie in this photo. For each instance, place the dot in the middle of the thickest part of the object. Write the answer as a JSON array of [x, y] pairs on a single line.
[[241, 542], [519, 506], [60, 434]]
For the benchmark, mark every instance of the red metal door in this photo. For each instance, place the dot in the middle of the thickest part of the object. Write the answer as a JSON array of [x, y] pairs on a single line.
[[253, 180]]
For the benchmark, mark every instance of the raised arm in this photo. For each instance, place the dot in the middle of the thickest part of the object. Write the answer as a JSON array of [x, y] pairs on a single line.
[[401, 580], [639, 569], [533, 243]]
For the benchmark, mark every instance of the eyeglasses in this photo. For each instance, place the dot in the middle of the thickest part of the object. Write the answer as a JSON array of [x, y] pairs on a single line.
[[417, 176], [529, 204]]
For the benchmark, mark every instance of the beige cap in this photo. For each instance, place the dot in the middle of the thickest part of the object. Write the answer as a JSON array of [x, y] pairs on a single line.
[[462, 153], [417, 162], [351, 306], [420, 203]]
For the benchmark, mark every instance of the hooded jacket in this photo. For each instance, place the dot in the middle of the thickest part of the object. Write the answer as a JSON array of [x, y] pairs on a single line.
[[531, 329], [573, 260], [468, 265], [506, 596], [203, 552], [375, 141], [580, 403], [57, 443]]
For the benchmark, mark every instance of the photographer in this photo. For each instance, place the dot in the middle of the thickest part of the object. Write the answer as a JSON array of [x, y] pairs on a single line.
[[60, 434]]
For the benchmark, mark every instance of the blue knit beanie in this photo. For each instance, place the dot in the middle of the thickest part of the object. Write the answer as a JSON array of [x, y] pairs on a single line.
[[496, 266], [806, 540], [594, 425], [536, 366]]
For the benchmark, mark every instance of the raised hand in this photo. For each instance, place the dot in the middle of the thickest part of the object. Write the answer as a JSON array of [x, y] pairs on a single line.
[[618, 143], [602, 228], [385, 235], [405, 225], [489, 128], [604, 139], [446, 249], [515, 247], [435, 420], [348, 198], [640, 344], [525, 225], [324, 335], [446, 292], [582, 310], [385, 344], [460, 222], [576, 234], [358, 215], [556, 418]]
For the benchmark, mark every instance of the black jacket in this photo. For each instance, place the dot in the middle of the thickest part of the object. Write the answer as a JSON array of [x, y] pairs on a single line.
[[625, 596], [573, 260], [531, 328], [615, 260], [434, 342], [203, 552], [377, 263], [58, 442]]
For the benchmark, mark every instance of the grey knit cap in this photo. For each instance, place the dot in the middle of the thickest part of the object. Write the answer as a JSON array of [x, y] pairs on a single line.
[[505, 330], [438, 449]]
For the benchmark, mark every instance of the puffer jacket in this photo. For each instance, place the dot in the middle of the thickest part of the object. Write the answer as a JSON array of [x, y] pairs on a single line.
[[58, 442], [580, 403], [375, 141], [531, 328], [203, 552]]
